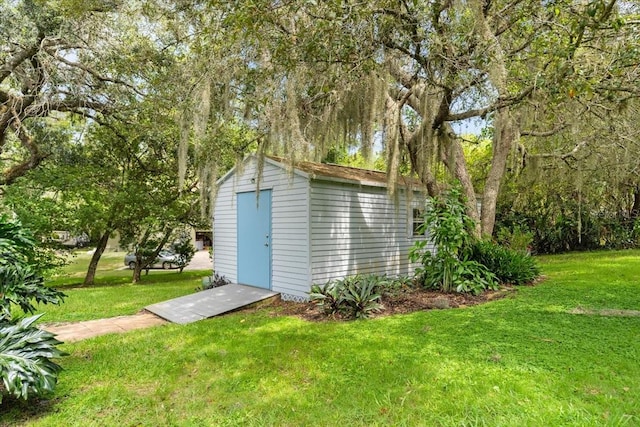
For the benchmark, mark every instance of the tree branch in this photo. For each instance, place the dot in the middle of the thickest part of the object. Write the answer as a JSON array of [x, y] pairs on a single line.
[[500, 103], [543, 134], [94, 73]]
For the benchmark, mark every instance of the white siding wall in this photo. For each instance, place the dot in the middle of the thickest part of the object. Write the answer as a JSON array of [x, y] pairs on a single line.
[[358, 229], [290, 252]]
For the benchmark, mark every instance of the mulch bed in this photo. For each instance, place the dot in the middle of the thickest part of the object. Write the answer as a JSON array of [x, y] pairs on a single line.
[[405, 301]]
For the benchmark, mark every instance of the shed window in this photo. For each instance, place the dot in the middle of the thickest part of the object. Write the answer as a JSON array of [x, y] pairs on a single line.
[[417, 221]]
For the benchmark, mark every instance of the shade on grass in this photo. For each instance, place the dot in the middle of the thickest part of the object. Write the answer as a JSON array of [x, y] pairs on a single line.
[[113, 294], [524, 360]]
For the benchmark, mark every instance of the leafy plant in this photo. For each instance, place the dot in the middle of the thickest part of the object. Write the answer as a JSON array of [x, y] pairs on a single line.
[[327, 297], [508, 265], [25, 351], [360, 296], [516, 238], [394, 286], [449, 269], [25, 358], [353, 297], [185, 252], [214, 282]]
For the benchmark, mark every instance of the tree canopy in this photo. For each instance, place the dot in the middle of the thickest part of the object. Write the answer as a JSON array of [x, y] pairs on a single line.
[[307, 75]]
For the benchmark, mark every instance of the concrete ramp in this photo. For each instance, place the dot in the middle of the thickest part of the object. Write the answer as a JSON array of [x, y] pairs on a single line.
[[209, 303]]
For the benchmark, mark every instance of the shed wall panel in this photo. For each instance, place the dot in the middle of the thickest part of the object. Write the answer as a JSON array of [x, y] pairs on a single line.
[[359, 230]]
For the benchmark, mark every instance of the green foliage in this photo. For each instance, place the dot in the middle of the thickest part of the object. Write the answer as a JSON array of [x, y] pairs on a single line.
[[516, 238], [562, 225], [449, 269], [360, 296], [327, 297], [185, 252], [342, 156], [508, 265], [477, 152], [21, 282], [214, 281], [352, 297], [26, 368], [25, 351], [449, 274]]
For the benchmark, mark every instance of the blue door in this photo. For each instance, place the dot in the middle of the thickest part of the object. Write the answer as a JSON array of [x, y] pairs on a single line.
[[254, 239]]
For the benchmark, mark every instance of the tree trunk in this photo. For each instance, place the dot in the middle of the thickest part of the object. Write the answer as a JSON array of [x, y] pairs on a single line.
[[93, 264], [504, 137], [505, 131], [635, 209], [136, 273]]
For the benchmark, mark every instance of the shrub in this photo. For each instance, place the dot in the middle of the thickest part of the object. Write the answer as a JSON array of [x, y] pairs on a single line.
[[185, 252], [25, 358], [448, 269], [353, 297], [214, 282], [26, 367], [516, 238], [360, 296], [460, 275], [508, 265], [394, 286], [327, 297]]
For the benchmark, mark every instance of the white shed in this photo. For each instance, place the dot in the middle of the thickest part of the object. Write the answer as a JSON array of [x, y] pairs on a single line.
[[310, 224]]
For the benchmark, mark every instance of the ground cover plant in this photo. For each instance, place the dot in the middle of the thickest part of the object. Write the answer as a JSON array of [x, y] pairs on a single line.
[[508, 265], [528, 359], [352, 297]]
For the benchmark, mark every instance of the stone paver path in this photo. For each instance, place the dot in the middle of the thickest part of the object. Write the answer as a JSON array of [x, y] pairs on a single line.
[[71, 332]]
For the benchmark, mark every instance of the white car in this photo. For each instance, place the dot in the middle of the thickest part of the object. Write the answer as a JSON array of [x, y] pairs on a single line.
[[166, 260]]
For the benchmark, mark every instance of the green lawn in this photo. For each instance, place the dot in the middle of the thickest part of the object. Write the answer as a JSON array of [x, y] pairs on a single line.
[[114, 294], [521, 361]]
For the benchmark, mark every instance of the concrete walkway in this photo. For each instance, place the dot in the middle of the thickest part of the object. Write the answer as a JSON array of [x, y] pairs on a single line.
[[187, 309], [71, 332]]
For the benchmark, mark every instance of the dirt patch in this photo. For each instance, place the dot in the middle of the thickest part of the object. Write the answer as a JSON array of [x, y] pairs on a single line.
[[405, 301], [608, 312]]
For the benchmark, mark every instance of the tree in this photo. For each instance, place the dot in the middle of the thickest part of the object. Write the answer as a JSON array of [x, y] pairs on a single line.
[[314, 73], [66, 58]]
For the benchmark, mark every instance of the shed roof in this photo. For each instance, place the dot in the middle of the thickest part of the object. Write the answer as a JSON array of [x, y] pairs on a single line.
[[347, 173], [333, 172]]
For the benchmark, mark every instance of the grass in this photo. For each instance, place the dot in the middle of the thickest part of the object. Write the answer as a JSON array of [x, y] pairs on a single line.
[[525, 360], [114, 294]]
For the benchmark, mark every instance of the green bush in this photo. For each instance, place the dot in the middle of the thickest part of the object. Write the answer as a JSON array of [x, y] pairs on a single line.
[[214, 281], [327, 297], [353, 297], [516, 237], [448, 274], [185, 252], [449, 269], [26, 367], [508, 265]]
